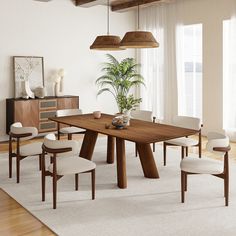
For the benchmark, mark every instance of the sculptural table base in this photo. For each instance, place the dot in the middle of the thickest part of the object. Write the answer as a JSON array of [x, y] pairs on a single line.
[[145, 154]]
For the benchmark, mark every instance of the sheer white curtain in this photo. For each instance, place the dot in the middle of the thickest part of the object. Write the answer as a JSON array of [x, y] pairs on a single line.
[[158, 66], [229, 76], [189, 69]]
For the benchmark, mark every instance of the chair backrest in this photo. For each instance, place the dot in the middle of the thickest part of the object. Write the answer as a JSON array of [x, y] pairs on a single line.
[[17, 128], [187, 122], [142, 115], [51, 142], [68, 112], [216, 140]]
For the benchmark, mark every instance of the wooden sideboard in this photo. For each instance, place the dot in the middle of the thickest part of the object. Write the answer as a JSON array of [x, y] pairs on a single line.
[[35, 112]]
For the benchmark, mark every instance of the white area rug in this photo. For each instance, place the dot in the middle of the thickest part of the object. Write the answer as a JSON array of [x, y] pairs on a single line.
[[147, 207]]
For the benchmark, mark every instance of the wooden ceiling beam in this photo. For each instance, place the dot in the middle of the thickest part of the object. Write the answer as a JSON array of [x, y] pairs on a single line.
[[82, 2], [130, 4]]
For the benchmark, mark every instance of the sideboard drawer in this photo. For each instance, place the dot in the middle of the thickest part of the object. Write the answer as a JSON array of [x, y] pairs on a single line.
[[48, 104], [47, 126], [44, 115]]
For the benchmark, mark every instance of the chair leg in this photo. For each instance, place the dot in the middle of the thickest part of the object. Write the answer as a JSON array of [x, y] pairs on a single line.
[[164, 153], [43, 176], [185, 182], [54, 191], [200, 145], [40, 162], [58, 131], [186, 151], [93, 183], [136, 151], [226, 189], [182, 186], [182, 152], [17, 169], [154, 147], [76, 182], [43, 185], [10, 165]]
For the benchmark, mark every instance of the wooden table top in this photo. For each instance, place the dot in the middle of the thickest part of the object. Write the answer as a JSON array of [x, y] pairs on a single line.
[[138, 131]]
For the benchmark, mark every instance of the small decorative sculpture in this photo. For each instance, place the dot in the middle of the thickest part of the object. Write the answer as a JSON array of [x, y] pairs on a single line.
[[40, 92], [26, 91], [58, 82]]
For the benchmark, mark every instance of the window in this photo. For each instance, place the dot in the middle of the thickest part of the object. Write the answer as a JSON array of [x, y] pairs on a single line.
[[229, 75], [189, 59]]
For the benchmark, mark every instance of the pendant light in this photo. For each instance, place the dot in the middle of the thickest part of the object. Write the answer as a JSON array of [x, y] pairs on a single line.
[[139, 39], [107, 42]]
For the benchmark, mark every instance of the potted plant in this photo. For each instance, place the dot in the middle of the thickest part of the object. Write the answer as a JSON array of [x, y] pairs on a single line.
[[118, 79]]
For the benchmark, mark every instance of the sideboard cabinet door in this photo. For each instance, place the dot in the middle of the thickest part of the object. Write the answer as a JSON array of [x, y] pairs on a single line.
[[67, 103], [27, 113]]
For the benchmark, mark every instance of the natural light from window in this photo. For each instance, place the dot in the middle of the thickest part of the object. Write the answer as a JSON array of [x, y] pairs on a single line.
[[229, 76], [190, 80]]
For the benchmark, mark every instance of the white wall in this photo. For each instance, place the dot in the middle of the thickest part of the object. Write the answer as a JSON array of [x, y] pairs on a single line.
[[211, 14], [62, 34]]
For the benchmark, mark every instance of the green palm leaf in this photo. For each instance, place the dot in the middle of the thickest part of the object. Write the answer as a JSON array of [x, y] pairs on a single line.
[[118, 79]]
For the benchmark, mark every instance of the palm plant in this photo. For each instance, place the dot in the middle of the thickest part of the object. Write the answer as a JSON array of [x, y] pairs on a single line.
[[118, 79]]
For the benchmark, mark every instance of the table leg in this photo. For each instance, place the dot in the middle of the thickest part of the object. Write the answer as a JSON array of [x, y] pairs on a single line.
[[88, 145], [121, 163], [147, 161], [110, 149]]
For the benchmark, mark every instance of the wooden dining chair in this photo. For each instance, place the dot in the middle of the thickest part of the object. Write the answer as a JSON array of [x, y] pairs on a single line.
[[19, 133], [69, 131], [185, 142], [65, 161], [218, 144], [145, 116]]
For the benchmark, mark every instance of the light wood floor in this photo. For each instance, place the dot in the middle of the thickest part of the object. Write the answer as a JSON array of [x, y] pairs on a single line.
[[15, 220]]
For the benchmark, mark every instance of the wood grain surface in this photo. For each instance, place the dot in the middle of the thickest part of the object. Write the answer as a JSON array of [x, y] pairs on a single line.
[[138, 131], [16, 220]]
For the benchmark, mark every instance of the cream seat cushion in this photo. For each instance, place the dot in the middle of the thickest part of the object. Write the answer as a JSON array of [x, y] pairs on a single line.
[[31, 149], [71, 130], [185, 142], [72, 165], [202, 165]]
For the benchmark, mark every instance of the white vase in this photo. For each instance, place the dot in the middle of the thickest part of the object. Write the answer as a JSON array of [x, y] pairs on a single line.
[[26, 91], [127, 116], [62, 86], [58, 91]]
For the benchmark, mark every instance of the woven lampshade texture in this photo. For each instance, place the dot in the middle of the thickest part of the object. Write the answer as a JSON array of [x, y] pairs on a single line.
[[139, 39], [107, 42]]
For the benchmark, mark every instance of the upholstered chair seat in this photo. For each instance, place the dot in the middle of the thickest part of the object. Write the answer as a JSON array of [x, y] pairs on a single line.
[[31, 149], [218, 144], [19, 133], [72, 165], [201, 166], [64, 161], [185, 142], [69, 130]]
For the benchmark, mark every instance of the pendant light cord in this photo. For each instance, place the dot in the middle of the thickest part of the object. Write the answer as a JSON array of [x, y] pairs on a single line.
[[108, 17], [138, 17]]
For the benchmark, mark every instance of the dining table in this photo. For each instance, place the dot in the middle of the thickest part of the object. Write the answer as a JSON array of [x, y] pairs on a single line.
[[143, 133]]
